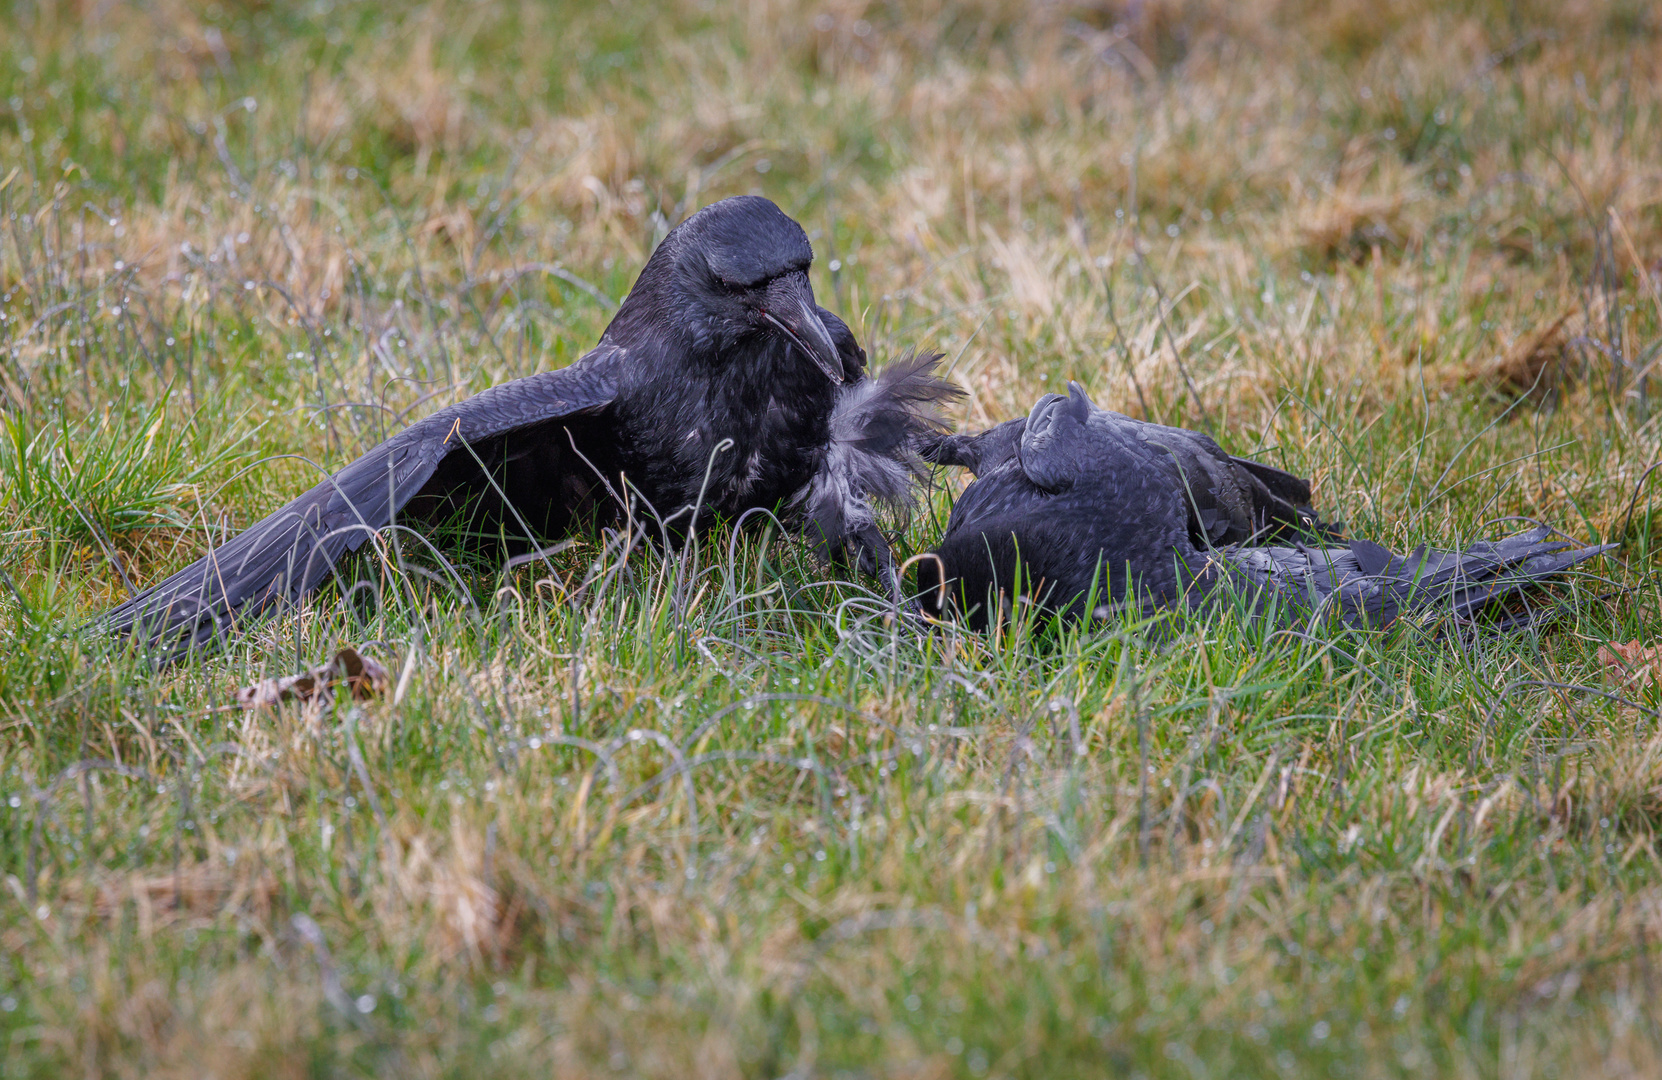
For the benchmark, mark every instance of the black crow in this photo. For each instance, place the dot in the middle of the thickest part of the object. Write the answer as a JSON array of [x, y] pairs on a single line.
[[719, 386], [1075, 502]]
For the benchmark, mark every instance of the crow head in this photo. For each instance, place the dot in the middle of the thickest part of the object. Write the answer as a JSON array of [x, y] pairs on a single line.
[[726, 280]]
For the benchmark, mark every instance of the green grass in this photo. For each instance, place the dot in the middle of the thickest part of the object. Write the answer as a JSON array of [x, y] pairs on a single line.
[[716, 814], [104, 480]]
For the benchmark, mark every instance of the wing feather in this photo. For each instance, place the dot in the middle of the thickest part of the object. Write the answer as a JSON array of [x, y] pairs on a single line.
[[291, 552]]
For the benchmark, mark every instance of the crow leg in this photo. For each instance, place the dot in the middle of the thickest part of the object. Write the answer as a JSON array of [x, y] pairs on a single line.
[[873, 556]]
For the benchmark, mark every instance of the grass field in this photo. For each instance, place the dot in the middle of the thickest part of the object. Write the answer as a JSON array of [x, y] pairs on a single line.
[[714, 814]]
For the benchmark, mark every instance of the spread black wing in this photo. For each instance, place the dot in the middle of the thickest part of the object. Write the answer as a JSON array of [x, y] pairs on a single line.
[[428, 469], [1364, 584]]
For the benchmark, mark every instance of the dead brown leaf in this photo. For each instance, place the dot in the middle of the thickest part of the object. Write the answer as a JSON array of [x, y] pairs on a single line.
[[364, 676], [1632, 662]]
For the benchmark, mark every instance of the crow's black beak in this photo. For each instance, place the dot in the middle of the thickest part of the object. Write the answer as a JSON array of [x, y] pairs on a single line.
[[790, 306]]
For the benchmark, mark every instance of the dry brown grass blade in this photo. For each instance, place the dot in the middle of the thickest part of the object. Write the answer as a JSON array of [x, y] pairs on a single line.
[[199, 892], [1535, 363]]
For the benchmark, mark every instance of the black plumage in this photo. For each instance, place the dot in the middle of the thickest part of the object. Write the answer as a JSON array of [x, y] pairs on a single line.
[[719, 385], [1074, 504]]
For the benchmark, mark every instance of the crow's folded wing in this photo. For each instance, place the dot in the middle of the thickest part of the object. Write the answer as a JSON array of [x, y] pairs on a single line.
[[1231, 500], [289, 553]]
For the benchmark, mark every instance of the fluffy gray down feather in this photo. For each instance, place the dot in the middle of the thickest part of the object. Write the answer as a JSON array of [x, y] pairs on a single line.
[[877, 428]]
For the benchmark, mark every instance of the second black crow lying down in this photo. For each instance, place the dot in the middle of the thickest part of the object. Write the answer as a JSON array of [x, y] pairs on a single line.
[[719, 386], [1074, 498]]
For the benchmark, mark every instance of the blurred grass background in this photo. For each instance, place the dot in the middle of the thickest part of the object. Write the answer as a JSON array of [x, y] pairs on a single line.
[[713, 815]]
